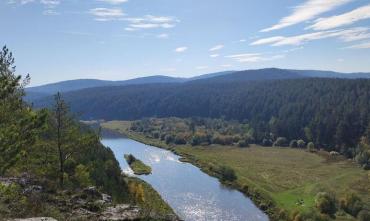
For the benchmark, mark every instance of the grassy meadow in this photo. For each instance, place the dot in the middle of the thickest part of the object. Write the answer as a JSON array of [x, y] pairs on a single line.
[[290, 177]]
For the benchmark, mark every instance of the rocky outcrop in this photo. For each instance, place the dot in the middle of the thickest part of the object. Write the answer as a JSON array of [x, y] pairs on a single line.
[[85, 204], [36, 219]]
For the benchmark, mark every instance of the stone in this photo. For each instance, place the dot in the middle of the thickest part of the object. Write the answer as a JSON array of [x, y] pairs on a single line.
[[121, 212], [35, 219]]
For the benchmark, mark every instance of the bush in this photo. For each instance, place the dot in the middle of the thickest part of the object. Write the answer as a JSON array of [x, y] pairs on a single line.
[[82, 176], [311, 147], [156, 134], [222, 139], [281, 142], [301, 144], [130, 159], [325, 203], [180, 139], [199, 138], [293, 144], [363, 215], [12, 201], [363, 158], [351, 203], [266, 142], [310, 215], [243, 143], [169, 138], [227, 174]]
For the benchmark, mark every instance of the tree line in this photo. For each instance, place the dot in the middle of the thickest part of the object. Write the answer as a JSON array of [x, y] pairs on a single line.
[[333, 114]]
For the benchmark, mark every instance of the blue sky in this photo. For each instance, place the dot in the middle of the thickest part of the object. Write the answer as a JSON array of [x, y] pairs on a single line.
[[57, 40]]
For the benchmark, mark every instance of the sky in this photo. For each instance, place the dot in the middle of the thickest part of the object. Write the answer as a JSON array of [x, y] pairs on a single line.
[[56, 40]]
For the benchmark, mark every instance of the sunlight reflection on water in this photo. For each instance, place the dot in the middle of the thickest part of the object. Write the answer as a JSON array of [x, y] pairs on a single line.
[[194, 195]]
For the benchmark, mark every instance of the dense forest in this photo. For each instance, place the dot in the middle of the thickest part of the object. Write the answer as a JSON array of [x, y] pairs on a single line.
[[332, 113]]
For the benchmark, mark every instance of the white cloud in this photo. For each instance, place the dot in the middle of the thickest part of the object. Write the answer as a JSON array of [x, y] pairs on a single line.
[[150, 22], [107, 14], [269, 40], [50, 12], [50, 3], [217, 47], [163, 36], [253, 57], [242, 40], [365, 45], [202, 67], [307, 11], [113, 2], [341, 20], [346, 35], [226, 65], [181, 49], [21, 2], [214, 55]]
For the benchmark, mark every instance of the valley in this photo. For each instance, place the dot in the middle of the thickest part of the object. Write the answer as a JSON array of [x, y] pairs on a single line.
[[283, 181]]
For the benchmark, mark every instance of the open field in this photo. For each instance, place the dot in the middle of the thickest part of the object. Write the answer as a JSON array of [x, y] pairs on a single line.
[[291, 178], [286, 175]]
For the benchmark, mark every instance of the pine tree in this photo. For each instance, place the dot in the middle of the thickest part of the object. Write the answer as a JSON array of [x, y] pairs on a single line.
[[19, 125]]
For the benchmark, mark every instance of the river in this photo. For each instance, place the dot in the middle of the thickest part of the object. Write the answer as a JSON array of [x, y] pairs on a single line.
[[194, 195]]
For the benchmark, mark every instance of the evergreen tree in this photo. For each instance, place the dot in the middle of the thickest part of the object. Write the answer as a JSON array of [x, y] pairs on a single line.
[[19, 125]]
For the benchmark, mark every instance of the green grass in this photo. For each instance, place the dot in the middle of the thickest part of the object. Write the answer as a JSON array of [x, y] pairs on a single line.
[[282, 175], [286, 175], [138, 166]]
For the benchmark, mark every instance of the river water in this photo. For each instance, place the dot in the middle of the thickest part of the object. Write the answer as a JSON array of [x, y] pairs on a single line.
[[194, 195]]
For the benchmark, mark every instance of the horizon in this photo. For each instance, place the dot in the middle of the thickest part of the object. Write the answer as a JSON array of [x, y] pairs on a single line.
[[190, 77], [127, 39]]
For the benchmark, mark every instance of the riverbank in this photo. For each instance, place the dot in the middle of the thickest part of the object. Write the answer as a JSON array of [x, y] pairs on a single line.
[[261, 200], [280, 181], [149, 200]]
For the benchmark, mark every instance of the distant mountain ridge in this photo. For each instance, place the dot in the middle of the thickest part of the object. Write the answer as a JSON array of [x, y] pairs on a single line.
[[35, 93]]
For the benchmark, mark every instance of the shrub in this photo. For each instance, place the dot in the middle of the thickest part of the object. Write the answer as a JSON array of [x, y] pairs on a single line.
[[227, 174], [363, 158], [13, 201], [180, 139], [169, 138], [281, 142], [130, 159], [199, 138], [243, 143], [301, 144], [311, 147], [155, 134], [325, 203], [82, 176], [363, 215], [351, 203], [310, 215], [222, 139], [293, 144], [266, 142]]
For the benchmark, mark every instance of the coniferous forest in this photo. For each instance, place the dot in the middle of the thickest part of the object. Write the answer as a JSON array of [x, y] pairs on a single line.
[[332, 113]]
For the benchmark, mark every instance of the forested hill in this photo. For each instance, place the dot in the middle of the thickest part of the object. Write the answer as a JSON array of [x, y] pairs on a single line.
[[327, 111], [35, 93]]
